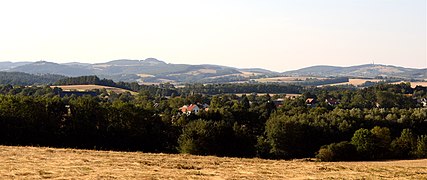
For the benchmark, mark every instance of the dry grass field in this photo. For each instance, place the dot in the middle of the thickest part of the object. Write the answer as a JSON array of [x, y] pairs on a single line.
[[51, 163], [354, 82], [414, 84], [92, 87]]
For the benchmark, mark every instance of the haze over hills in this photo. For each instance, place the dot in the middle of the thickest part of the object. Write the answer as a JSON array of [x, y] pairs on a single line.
[[6, 65], [152, 70]]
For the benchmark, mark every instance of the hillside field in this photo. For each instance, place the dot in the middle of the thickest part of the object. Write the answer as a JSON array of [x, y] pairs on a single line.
[[38, 163], [415, 84], [92, 87], [354, 82]]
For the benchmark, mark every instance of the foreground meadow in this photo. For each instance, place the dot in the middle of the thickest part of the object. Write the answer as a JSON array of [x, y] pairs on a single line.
[[39, 163]]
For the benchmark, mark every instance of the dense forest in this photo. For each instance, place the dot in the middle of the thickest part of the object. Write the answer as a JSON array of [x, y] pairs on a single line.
[[25, 79], [340, 124]]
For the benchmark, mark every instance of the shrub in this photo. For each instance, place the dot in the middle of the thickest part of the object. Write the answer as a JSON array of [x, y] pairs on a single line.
[[343, 151], [421, 149]]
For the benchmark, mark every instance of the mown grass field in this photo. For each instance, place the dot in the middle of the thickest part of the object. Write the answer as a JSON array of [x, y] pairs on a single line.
[[40, 163]]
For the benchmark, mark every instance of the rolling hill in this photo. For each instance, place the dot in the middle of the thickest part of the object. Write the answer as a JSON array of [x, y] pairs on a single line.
[[148, 70], [44, 67], [152, 70], [365, 71]]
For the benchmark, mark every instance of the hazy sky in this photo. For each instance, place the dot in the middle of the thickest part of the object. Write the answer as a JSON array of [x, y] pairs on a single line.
[[274, 34]]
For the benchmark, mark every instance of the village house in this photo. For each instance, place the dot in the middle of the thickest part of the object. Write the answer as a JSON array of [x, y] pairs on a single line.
[[193, 108], [331, 101], [278, 102], [423, 102], [310, 101]]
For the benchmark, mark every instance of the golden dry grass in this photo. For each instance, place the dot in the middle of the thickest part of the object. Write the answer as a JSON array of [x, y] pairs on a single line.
[[357, 82], [92, 87], [414, 84], [354, 82], [40, 163]]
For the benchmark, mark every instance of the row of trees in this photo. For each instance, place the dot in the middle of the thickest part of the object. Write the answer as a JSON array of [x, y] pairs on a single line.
[[241, 126]]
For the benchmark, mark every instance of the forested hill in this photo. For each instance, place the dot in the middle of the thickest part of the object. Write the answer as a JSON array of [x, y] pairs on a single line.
[[25, 79], [366, 70]]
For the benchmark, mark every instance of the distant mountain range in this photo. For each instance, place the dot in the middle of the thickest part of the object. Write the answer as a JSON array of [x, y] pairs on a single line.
[[152, 70]]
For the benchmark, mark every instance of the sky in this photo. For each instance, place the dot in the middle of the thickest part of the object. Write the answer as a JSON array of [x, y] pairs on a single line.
[[277, 35]]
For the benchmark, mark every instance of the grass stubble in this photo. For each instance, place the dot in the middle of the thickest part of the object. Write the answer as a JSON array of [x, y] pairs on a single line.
[[54, 163]]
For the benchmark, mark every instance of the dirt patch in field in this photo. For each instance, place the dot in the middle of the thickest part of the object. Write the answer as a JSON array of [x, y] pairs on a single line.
[[39, 163]]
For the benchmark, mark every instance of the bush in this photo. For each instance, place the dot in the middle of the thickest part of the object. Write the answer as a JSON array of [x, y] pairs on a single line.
[[263, 147], [421, 149], [343, 151]]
